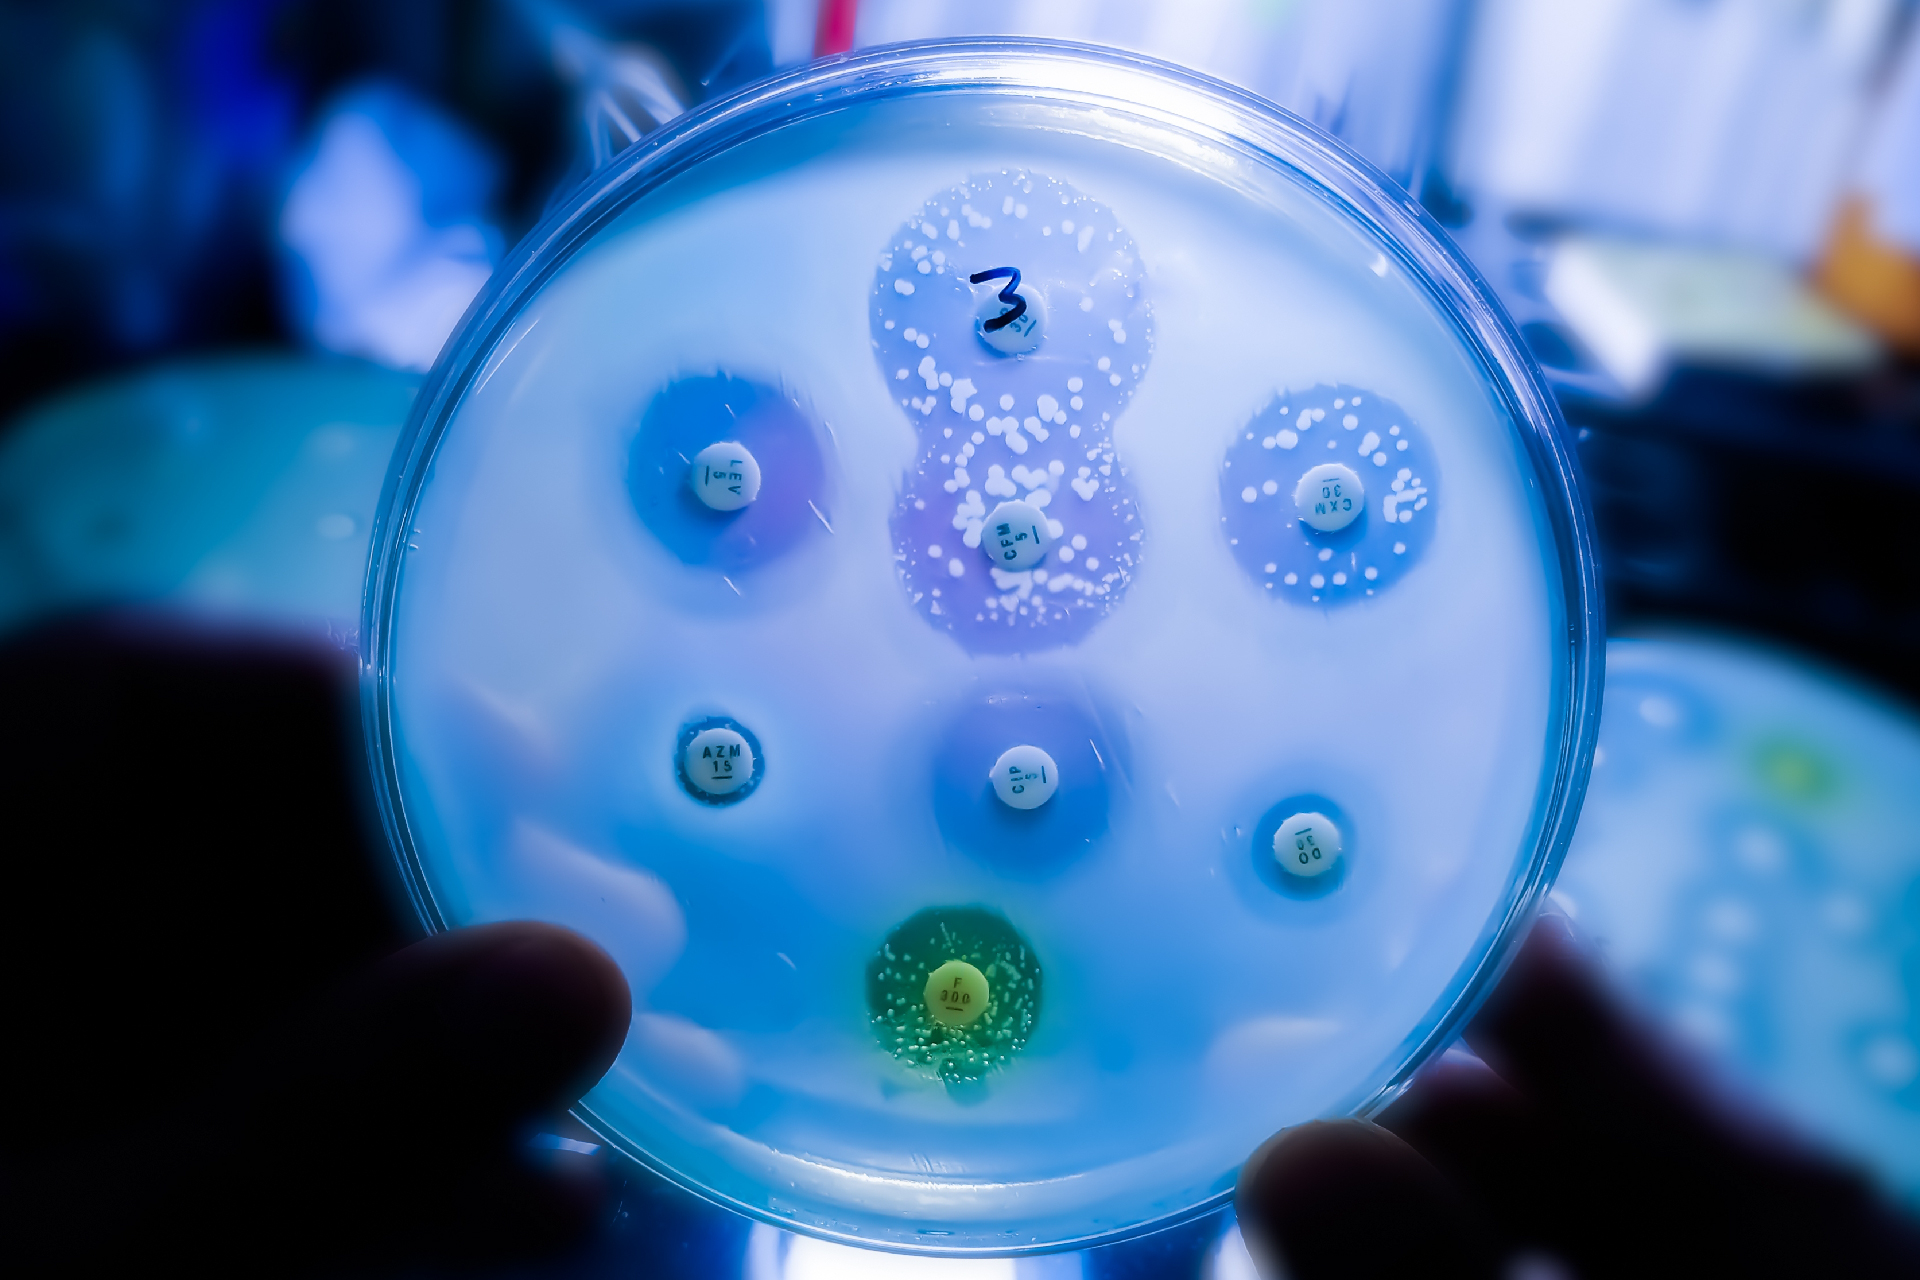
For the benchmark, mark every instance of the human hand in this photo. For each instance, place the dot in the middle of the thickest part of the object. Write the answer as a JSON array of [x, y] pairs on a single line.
[[387, 1127], [1579, 1140], [208, 1064]]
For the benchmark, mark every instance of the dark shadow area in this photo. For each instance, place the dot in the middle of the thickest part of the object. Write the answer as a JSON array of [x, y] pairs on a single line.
[[189, 859], [1780, 508]]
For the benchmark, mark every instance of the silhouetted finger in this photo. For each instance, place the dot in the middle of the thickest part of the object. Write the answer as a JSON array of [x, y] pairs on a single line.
[[1629, 1131], [388, 1128], [474, 1030], [1348, 1199], [414, 1092], [1553, 1031]]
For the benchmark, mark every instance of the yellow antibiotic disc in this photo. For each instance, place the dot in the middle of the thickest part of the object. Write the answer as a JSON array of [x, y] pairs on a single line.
[[956, 994]]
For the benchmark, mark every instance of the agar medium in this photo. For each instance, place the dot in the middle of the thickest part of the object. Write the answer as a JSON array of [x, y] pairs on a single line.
[[1172, 663]]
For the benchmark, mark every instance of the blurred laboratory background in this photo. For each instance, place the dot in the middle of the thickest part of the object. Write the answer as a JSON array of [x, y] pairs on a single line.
[[234, 234]]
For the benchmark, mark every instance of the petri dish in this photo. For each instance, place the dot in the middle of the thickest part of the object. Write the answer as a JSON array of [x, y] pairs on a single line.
[[1746, 861], [1084, 541], [235, 490]]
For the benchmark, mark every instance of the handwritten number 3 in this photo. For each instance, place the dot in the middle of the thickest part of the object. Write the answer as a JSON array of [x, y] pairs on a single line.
[[1007, 295]]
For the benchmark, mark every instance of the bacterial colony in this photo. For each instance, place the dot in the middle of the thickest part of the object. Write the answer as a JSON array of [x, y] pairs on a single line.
[[1011, 317]]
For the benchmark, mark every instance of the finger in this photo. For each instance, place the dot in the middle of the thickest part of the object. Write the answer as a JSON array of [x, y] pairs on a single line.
[[1552, 1031], [1629, 1130], [389, 1127], [1462, 1118], [399, 1116], [1587, 1063], [475, 1030], [1348, 1199], [1493, 1146]]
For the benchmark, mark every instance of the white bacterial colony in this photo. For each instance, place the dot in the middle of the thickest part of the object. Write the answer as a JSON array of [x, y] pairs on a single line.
[[992, 426], [1357, 429]]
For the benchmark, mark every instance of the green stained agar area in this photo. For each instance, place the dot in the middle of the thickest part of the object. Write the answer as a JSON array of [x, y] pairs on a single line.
[[1794, 770], [897, 992]]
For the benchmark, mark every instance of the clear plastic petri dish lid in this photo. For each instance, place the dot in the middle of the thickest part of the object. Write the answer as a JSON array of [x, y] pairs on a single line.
[[1031, 603]]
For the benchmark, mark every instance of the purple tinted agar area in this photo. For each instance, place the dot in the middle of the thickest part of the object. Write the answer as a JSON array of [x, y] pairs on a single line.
[[693, 412], [993, 427], [1373, 437], [1070, 724]]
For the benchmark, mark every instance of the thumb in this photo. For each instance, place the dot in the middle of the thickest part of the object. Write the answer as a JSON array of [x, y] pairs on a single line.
[[410, 1097], [466, 1035]]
